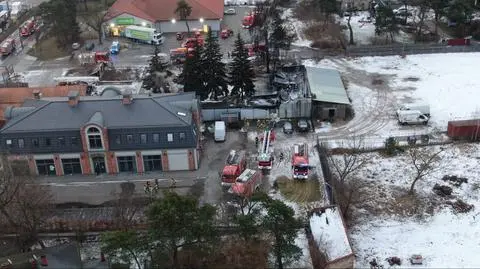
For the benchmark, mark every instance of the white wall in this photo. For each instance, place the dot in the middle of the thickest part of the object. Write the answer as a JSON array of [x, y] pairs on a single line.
[[179, 26]]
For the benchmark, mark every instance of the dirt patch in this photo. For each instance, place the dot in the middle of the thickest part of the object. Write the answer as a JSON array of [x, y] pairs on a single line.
[[412, 79], [47, 49], [299, 191], [377, 81], [379, 200], [121, 74]]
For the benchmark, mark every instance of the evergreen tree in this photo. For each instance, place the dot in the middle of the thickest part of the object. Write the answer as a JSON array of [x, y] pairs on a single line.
[[241, 72], [61, 16], [155, 67], [192, 76], [214, 70], [280, 37]]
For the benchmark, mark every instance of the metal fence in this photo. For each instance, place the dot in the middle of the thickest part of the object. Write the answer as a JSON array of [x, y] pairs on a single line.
[[405, 49]]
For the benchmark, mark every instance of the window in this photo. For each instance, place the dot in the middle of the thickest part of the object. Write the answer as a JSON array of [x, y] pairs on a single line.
[[8, 142], [71, 166], [143, 138], [118, 139], [48, 142], [94, 138], [35, 142], [156, 138], [74, 140], [45, 167], [61, 141], [182, 136], [126, 164], [130, 139], [170, 137], [21, 143], [152, 163]]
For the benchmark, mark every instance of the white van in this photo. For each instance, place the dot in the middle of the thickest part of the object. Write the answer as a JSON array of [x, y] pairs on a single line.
[[412, 117], [423, 108], [220, 131]]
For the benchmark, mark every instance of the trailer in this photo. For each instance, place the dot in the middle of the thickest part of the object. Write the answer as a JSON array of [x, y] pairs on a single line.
[[144, 35], [459, 41], [464, 130]]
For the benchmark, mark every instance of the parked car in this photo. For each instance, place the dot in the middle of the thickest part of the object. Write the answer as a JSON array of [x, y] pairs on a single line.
[[75, 46], [180, 36], [302, 126], [412, 117], [115, 48], [287, 128], [230, 11]]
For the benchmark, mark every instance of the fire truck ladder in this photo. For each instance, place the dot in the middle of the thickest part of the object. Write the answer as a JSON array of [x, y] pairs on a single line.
[[266, 142]]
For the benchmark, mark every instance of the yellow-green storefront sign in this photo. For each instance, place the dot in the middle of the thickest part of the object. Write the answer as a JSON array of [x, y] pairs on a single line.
[[124, 21]]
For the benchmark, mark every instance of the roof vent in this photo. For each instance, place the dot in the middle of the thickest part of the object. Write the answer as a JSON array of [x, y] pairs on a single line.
[[181, 114]]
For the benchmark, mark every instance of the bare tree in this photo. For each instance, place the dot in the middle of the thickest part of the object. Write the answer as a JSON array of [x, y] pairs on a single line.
[[24, 205], [424, 162], [351, 161], [126, 207], [349, 25], [94, 19]]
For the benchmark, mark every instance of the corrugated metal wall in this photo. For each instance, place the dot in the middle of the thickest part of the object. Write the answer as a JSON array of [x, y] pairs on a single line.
[[300, 108], [215, 114]]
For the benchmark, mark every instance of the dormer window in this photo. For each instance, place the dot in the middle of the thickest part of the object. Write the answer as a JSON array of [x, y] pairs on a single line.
[[94, 138]]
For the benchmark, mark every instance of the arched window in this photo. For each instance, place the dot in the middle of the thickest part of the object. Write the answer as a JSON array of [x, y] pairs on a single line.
[[94, 137]]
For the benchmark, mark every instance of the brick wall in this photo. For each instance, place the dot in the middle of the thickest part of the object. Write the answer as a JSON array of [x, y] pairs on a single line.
[[85, 162], [111, 160], [32, 165], [106, 145], [84, 139], [139, 161], [58, 165], [165, 166], [191, 159]]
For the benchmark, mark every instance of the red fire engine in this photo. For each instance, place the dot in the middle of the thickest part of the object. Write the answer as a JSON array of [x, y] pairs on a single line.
[[248, 20], [247, 183], [27, 28], [265, 153], [234, 167], [300, 163], [7, 47]]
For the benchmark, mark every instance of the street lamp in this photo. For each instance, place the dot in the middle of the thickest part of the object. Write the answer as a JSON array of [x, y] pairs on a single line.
[[174, 21], [201, 20], [112, 24], [144, 24]]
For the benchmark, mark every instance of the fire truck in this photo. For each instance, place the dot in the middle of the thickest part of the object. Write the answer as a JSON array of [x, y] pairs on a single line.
[[7, 47], [234, 167], [191, 42], [179, 55], [27, 28], [247, 183], [300, 163], [92, 58], [265, 153], [248, 20]]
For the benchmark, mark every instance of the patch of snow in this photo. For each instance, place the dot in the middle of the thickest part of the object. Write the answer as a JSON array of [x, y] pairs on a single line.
[[297, 26], [329, 233], [363, 30], [444, 239]]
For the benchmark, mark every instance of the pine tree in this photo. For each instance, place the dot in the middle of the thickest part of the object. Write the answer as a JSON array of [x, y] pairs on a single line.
[[214, 70], [155, 67], [241, 72], [192, 76]]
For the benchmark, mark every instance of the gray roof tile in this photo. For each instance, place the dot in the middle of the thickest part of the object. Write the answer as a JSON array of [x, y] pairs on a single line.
[[54, 114]]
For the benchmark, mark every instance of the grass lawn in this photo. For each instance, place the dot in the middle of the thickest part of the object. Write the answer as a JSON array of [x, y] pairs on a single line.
[[46, 49], [299, 191]]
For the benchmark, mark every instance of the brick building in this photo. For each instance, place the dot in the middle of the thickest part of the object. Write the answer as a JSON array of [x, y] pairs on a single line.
[[110, 134]]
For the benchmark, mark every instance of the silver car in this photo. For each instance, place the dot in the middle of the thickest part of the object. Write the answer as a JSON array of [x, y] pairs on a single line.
[[302, 126], [230, 11], [287, 128]]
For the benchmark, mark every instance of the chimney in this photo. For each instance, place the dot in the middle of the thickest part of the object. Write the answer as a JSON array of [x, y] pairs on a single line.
[[127, 97], [73, 98], [36, 94]]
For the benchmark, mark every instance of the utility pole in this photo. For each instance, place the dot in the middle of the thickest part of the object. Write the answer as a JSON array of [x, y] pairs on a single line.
[[20, 37]]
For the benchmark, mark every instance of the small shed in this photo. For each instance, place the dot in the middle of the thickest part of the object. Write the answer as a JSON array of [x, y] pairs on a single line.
[[329, 96], [328, 239]]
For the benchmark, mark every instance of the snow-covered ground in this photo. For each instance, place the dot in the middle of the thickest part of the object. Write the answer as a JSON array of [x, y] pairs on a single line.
[[297, 27], [378, 85], [444, 238], [363, 29]]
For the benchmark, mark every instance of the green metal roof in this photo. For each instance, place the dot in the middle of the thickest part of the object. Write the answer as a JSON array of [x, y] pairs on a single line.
[[327, 85]]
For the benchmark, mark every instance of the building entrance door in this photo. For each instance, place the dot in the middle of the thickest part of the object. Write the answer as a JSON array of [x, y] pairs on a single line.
[[99, 165]]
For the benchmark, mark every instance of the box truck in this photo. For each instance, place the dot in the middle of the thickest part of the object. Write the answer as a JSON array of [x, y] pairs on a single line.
[[144, 35], [220, 131]]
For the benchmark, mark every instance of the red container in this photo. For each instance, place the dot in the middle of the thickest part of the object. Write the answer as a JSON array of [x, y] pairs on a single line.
[[458, 42], [464, 129]]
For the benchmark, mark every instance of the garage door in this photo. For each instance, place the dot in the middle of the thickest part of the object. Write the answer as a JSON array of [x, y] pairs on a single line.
[[177, 160]]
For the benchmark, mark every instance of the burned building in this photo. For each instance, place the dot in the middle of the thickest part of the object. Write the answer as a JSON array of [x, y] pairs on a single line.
[[291, 84]]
